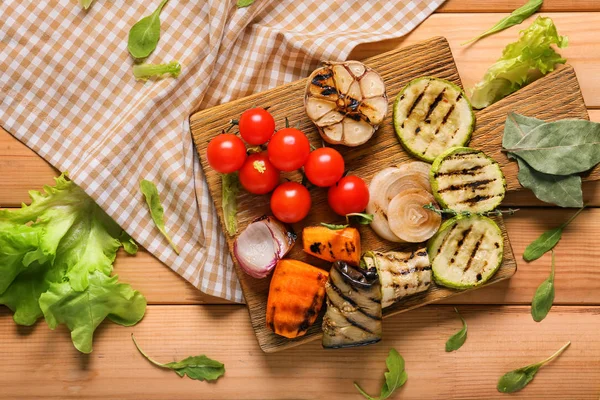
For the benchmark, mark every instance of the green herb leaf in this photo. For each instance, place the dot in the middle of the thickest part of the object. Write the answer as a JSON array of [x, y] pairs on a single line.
[[85, 4], [516, 380], [144, 35], [544, 297], [361, 218], [547, 240], [521, 63], [83, 311], [129, 245], [516, 17], [200, 368], [564, 191], [334, 227], [144, 72], [244, 3], [230, 189], [156, 209], [458, 339], [561, 148], [394, 378]]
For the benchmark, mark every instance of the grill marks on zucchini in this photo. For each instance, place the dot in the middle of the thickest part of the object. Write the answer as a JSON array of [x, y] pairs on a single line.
[[431, 115], [466, 252], [465, 179]]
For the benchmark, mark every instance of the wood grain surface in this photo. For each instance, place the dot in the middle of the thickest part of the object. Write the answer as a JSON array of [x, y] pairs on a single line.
[[431, 58]]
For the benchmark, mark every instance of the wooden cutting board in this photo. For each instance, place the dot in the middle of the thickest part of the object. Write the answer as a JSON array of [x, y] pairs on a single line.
[[556, 96]]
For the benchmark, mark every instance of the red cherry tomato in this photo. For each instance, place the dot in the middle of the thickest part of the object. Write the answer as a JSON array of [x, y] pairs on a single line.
[[288, 149], [226, 153], [349, 195], [258, 175], [290, 202], [256, 126], [324, 167]]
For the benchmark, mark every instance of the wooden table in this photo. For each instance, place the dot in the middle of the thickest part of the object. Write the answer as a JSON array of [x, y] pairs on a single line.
[[181, 321]]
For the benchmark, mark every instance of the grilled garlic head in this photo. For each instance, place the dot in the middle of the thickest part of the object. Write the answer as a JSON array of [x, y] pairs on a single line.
[[346, 101]]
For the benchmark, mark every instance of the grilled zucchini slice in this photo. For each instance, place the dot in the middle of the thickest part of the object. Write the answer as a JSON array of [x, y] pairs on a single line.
[[465, 179], [401, 273], [432, 115], [466, 252]]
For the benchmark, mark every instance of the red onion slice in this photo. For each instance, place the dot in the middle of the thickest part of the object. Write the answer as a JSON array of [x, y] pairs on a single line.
[[261, 245]]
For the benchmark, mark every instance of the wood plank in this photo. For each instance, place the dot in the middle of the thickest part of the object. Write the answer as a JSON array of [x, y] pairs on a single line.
[[43, 363], [475, 6], [429, 58], [472, 61]]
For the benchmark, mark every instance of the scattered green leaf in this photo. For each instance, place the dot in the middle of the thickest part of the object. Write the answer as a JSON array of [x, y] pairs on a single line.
[[85, 4], [544, 297], [458, 339], [334, 227], [361, 218], [516, 380], [244, 3], [547, 240], [144, 35], [522, 62], [129, 245], [516, 17], [144, 72], [230, 190], [156, 209], [394, 378], [200, 368]]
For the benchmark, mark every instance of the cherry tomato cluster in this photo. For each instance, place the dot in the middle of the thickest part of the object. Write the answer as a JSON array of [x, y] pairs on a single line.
[[288, 149]]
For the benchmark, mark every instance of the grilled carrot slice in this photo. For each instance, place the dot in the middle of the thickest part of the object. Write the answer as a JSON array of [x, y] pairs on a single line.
[[332, 245], [295, 297]]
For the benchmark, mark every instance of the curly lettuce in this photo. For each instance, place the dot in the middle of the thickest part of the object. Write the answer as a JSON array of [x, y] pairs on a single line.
[[62, 240], [522, 62]]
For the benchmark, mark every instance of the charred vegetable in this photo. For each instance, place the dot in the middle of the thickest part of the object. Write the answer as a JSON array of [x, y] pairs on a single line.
[[332, 245], [465, 179], [263, 243], [353, 316], [409, 220], [466, 252], [432, 115], [401, 273], [388, 183], [346, 101], [295, 297]]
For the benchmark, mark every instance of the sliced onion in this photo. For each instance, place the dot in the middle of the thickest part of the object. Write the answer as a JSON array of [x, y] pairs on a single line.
[[409, 220], [263, 243]]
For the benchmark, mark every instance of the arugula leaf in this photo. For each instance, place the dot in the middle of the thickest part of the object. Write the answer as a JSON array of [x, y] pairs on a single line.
[[83, 311], [144, 72], [244, 3], [199, 368], [521, 63], [394, 378], [547, 240], [564, 191], [144, 35], [156, 209], [230, 189], [458, 339], [516, 17], [129, 245], [516, 380], [544, 297]]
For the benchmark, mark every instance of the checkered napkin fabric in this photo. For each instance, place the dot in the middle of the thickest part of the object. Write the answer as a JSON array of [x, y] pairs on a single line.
[[67, 91]]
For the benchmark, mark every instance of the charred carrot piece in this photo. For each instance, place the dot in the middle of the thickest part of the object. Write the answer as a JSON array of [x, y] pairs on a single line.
[[295, 297], [332, 245]]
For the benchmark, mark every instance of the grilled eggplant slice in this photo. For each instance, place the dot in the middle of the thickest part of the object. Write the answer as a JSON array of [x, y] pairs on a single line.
[[346, 101], [465, 179], [353, 316], [466, 252], [432, 115], [401, 273]]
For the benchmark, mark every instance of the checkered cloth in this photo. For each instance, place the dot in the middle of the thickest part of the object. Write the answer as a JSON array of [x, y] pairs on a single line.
[[67, 92]]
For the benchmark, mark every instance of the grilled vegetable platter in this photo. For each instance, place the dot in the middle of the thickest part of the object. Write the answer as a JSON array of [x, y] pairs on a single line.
[[330, 201]]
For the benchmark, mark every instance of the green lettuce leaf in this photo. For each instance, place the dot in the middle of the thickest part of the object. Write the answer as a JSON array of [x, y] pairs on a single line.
[[83, 311], [522, 62]]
